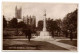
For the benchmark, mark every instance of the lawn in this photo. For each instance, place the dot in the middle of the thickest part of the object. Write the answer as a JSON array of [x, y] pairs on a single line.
[[9, 44], [73, 42]]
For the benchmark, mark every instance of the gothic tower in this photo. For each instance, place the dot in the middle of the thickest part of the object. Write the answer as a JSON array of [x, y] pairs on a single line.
[[18, 13]]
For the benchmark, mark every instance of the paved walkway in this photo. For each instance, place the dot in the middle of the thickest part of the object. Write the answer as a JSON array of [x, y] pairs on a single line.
[[63, 45]]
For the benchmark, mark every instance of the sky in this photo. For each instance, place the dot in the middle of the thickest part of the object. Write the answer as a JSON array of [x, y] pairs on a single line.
[[53, 10]]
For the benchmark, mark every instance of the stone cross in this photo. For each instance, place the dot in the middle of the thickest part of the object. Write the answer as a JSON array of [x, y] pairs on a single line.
[[44, 24]]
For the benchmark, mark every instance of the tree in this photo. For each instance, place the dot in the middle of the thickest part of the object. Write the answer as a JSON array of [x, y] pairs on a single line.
[[52, 26], [21, 25], [4, 22], [13, 23], [59, 29], [40, 25], [70, 22]]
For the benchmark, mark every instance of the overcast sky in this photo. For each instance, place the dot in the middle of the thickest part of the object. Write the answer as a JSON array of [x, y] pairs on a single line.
[[53, 10]]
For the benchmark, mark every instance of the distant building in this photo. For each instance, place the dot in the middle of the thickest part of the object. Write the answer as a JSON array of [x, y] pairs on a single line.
[[18, 13], [30, 20]]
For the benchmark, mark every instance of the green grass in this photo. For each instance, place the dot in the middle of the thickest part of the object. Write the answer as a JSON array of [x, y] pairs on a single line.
[[30, 45], [73, 42]]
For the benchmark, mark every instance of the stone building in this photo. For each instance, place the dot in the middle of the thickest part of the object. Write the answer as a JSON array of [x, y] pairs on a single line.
[[18, 13], [30, 20]]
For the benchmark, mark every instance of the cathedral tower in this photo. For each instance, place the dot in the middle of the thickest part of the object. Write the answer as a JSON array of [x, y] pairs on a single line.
[[18, 13]]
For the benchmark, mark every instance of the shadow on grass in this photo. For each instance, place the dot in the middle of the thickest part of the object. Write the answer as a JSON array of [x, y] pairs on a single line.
[[32, 45]]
